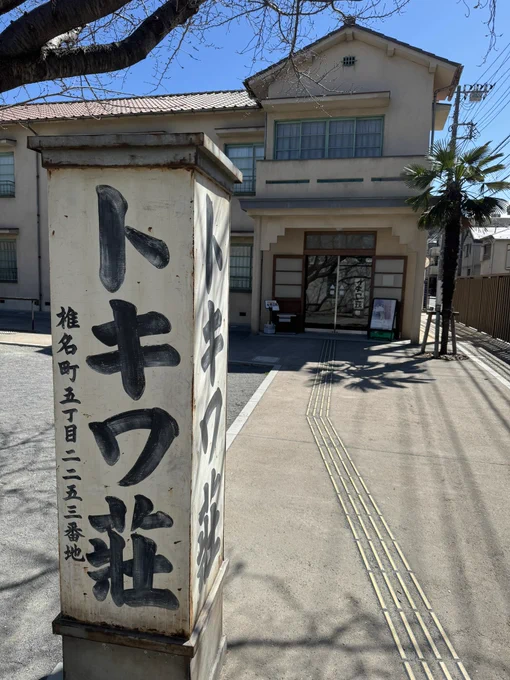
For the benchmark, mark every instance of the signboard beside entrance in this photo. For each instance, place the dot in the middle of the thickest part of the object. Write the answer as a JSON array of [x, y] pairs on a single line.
[[139, 253], [383, 319]]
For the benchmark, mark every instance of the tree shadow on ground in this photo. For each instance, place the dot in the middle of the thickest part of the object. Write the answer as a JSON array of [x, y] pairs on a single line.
[[325, 638], [368, 370], [494, 346], [28, 537]]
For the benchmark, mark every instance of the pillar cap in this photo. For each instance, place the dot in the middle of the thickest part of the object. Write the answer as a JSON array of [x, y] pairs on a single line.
[[191, 151]]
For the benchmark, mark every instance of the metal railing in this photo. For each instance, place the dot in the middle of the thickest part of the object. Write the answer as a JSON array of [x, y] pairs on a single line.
[[483, 303], [33, 302], [7, 188]]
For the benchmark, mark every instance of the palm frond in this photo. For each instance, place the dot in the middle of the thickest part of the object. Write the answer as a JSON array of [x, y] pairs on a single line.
[[420, 202], [498, 167], [418, 176], [441, 157], [481, 210], [496, 186], [477, 155]]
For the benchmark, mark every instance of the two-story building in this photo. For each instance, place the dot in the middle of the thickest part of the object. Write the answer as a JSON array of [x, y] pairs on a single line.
[[486, 251], [320, 222]]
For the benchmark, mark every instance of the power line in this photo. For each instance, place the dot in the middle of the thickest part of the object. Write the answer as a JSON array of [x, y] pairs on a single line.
[[502, 106], [469, 106], [483, 112], [502, 144]]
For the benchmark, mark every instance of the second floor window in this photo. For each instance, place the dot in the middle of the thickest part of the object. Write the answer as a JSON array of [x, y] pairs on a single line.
[[331, 138], [245, 157], [7, 174], [467, 249], [487, 250]]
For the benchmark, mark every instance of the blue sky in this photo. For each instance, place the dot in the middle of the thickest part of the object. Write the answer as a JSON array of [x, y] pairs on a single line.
[[440, 26]]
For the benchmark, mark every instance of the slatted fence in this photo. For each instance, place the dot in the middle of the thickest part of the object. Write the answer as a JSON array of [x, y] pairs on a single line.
[[484, 303]]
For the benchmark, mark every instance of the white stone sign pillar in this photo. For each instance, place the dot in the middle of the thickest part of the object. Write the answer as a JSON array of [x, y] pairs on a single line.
[[139, 256]]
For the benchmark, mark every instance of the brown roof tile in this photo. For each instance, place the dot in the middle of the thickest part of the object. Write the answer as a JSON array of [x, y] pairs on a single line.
[[130, 106]]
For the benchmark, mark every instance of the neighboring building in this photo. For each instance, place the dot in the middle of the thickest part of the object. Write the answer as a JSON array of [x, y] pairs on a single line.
[[470, 253], [486, 251], [320, 221]]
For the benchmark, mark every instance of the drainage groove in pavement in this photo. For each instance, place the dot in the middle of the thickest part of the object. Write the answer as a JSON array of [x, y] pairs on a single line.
[[421, 641]]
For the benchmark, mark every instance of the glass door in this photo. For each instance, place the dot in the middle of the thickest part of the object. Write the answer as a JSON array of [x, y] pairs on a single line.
[[321, 291], [338, 291], [354, 285]]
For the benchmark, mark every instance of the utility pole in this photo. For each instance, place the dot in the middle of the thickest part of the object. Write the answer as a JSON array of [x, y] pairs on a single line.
[[455, 124], [475, 93]]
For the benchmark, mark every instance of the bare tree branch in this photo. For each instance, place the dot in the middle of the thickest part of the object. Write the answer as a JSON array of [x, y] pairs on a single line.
[[36, 28], [66, 63], [51, 41], [7, 5]]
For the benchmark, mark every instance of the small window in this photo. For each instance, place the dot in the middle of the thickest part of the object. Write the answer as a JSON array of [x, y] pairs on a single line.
[[487, 249], [467, 250], [507, 261], [349, 61], [240, 266], [469, 271], [8, 261], [340, 241], [7, 174], [245, 158]]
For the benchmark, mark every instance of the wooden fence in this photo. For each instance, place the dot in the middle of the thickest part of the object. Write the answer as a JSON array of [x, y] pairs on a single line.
[[484, 303]]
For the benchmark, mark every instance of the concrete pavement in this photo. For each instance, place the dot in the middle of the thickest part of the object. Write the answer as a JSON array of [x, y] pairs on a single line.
[[372, 539], [29, 597], [363, 471]]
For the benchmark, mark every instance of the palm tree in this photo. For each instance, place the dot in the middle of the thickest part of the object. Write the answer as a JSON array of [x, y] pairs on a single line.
[[454, 195]]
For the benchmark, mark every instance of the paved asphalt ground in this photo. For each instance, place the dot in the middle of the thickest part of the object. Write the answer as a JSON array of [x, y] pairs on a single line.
[[29, 597]]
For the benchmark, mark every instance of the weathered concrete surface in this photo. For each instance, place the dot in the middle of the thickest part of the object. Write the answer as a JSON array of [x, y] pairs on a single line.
[[29, 596], [430, 439]]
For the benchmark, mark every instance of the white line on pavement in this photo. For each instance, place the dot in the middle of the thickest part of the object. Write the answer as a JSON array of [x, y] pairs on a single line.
[[483, 365], [241, 419]]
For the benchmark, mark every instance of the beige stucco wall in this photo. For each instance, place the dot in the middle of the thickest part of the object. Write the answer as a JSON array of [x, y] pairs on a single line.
[[21, 211], [408, 115], [292, 243]]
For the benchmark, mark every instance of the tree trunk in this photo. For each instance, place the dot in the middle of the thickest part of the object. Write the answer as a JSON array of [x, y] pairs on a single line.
[[450, 257]]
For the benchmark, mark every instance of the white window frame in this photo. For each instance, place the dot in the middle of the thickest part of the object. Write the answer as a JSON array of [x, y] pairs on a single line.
[[327, 122], [7, 180], [234, 278]]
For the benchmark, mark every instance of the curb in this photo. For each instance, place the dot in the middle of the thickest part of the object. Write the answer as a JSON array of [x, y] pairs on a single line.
[[56, 674], [248, 408]]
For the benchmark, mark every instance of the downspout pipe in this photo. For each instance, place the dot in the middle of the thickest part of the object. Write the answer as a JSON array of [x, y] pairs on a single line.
[[38, 205]]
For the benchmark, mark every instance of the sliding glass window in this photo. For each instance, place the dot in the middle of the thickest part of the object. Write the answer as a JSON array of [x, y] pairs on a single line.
[[330, 138], [245, 157]]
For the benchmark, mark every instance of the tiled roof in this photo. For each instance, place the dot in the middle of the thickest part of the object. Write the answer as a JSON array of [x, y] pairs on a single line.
[[130, 106], [499, 229]]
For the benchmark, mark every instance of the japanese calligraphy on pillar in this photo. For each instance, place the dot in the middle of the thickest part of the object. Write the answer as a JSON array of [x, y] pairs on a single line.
[[123, 349], [211, 239]]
